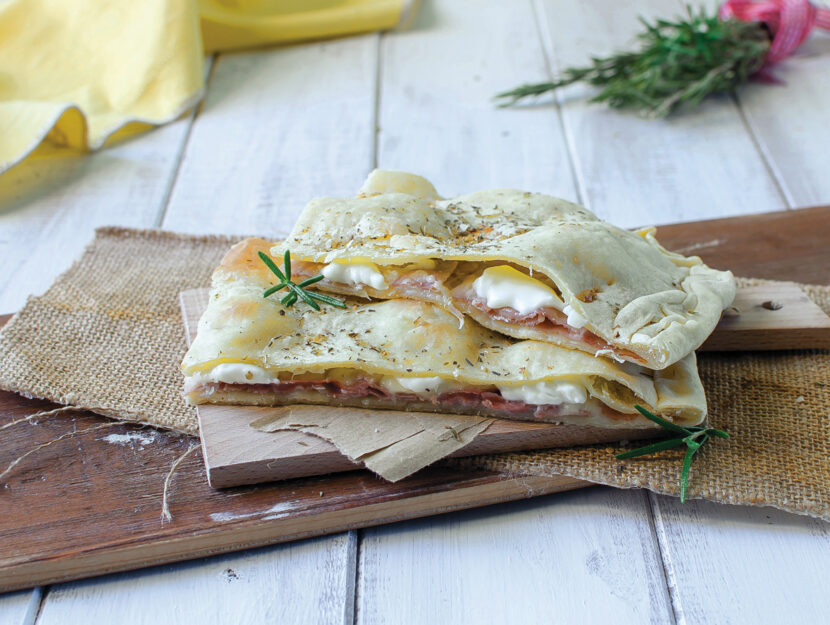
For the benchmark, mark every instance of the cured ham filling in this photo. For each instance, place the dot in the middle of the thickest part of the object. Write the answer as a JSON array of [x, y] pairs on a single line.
[[420, 281], [546, 319], [430, 284], [370, 393]]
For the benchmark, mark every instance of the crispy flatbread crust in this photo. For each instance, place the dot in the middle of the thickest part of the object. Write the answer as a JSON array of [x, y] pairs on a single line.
[[408, 338], [635, 294]]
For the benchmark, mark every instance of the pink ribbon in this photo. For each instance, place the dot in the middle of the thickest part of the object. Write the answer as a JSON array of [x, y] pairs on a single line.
[[789, 21]]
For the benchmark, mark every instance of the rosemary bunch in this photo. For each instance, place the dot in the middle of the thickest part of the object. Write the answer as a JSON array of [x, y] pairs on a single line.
[[679, 63]]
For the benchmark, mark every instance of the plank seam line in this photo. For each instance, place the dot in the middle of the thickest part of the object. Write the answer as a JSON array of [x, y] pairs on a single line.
[[659, 532], [379, 39], [36, 603], [180, 153], [769, 166], [354, 556], [548, 57]]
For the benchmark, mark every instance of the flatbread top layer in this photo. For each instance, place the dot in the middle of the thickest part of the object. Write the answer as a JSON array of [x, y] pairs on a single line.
[[408, 338], [631, 291]]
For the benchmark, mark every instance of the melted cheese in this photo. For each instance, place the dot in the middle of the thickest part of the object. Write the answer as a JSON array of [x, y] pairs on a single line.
[[233, 373], [421, 386], [505, 287], [422, 263], [546, 392], [355, 273]]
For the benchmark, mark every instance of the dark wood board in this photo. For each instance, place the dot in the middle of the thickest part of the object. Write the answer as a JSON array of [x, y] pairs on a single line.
[[84, 506], [784, 245]]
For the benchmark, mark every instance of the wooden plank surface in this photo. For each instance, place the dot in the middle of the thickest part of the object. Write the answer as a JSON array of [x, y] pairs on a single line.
[[789, 122], [20, 608], [236, 454], [713, 552], [436, 116], [524, 564], [274, 131], [311, 585]]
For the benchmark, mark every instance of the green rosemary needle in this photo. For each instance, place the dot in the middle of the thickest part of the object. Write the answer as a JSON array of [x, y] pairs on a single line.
[[693, 437], [679, 62], [296, 291]]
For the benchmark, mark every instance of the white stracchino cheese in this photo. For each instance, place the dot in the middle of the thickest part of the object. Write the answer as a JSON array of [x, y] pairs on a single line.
[[421, 386], [503, 286], [546, 392], [355, 273]]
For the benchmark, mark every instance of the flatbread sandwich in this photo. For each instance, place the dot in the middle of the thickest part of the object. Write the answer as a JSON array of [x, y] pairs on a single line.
[[409, 354]]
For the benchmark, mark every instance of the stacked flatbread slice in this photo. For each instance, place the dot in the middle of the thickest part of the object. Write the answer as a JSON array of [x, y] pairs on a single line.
[[500, 303]]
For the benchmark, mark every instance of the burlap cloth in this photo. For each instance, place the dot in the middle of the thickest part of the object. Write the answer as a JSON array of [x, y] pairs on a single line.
[[108, 337]]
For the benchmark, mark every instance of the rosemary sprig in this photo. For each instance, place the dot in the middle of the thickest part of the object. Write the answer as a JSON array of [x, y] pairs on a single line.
[[679, 62], [693, 437], [296, 291]]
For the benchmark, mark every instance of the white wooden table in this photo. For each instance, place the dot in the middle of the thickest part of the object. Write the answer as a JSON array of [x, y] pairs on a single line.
[[283, 125]]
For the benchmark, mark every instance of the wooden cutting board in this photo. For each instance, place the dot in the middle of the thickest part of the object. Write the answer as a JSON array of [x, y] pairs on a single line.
[[91, 504], [776, 316]]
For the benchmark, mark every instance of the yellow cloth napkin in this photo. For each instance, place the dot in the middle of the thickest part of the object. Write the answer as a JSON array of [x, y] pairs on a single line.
[[81, 73]]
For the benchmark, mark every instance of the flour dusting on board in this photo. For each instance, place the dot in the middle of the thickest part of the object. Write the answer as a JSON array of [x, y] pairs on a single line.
[[274, 512], [130, 438], [699, 246]]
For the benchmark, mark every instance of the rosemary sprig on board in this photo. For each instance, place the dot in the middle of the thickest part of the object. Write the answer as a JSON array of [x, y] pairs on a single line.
[[692, 437], [679, 62], [296, 291]]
